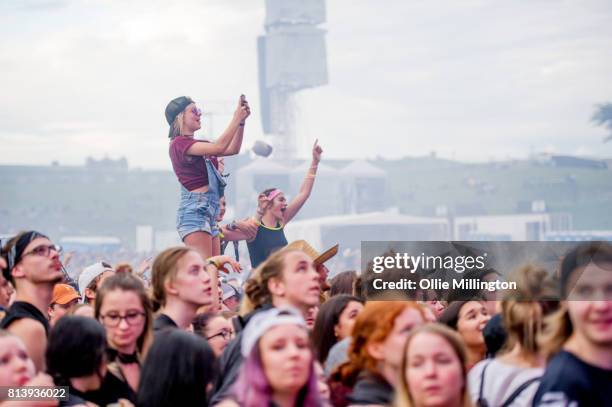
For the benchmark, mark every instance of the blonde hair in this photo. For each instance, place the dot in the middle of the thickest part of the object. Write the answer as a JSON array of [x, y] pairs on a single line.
[[557, 329], [256, 287], [403, 397], [164, 269], [246, 305], [522, 312], [178, 124]]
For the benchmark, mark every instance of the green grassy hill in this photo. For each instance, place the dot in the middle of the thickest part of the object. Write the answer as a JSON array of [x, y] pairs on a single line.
[[79, 201]]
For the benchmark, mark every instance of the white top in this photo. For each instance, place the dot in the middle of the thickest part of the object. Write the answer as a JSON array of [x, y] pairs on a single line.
[[501, 380]]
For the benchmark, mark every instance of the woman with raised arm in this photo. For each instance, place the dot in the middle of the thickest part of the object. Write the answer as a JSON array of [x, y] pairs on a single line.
[[273, 213], [196, 167]]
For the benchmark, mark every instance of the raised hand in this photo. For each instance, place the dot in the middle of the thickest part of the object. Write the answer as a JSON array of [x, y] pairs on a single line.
[[316, 151], [144, 266], [242, 110]]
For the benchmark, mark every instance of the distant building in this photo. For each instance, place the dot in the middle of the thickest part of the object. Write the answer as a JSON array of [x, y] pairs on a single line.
[[291, 56], [577, 162], [351, 230], [364, 187], [537, 206], [578, 235], [518, 227]]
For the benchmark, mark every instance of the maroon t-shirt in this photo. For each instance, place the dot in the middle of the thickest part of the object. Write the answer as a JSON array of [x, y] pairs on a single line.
[[189, 169]]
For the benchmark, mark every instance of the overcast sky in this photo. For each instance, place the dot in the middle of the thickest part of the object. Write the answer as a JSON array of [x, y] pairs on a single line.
[[469, 79]]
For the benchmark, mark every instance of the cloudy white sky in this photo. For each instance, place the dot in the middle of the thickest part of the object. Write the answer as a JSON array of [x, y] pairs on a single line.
[[469, 79]]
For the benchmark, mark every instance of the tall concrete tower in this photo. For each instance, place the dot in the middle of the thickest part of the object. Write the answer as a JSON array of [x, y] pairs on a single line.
[[291, 57]]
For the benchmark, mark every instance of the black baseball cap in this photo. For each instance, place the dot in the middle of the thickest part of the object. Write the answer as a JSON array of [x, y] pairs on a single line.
[[175, 107]]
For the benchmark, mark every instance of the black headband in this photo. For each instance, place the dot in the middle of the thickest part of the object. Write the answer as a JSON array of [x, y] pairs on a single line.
[[14, 255]]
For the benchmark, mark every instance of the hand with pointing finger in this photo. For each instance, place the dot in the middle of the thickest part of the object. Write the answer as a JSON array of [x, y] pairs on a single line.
[[316, 151]]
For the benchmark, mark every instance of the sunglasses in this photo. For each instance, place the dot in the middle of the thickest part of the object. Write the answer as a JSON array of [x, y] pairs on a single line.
[[196, 111], [43, 250]]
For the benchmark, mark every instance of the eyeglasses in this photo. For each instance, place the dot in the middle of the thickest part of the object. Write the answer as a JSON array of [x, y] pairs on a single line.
[[114, 319], [43, 250], [196, 111], [225, 333]]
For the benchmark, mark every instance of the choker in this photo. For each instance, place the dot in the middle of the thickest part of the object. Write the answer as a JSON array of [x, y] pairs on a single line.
[[125, 358]]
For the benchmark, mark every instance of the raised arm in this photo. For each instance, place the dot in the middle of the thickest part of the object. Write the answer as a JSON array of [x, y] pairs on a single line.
[[296, 204], [219, 147], [236, 143]]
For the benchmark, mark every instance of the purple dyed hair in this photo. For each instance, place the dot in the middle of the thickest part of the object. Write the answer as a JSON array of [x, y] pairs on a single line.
[[253, 390]]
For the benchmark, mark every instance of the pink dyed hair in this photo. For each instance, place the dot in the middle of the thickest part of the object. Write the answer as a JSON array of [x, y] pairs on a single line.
[[253, 390]]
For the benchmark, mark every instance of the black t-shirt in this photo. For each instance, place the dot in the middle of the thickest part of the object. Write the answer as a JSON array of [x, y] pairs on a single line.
[[20, 310], [162, 322], [266, 241], [111, 390], [75, 398], [568, 381], [371, 389]]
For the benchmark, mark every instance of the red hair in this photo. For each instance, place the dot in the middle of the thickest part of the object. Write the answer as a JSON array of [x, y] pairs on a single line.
[[373, 325]]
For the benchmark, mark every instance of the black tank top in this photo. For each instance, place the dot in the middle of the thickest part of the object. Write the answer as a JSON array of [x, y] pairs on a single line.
[[266, 241], [20, 310]]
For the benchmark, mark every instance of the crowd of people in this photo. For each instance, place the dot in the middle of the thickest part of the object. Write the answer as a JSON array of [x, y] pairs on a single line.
[[186, 334], [295, 338]]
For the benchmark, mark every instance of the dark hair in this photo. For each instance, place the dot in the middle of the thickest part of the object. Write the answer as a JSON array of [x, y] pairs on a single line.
[[343, 283], [582, 255], [200, 322], [177, 370], [76, 348], [450, 316], [14, 248], [266, 192], [394, 274], [558, 326], [358, 287], [323, 333]]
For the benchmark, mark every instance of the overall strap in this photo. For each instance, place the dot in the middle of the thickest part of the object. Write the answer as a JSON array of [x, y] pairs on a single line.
[[519, 390], [482, 402]]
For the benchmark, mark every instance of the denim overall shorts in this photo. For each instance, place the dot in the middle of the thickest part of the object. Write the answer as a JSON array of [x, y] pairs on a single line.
[[198, 211]]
